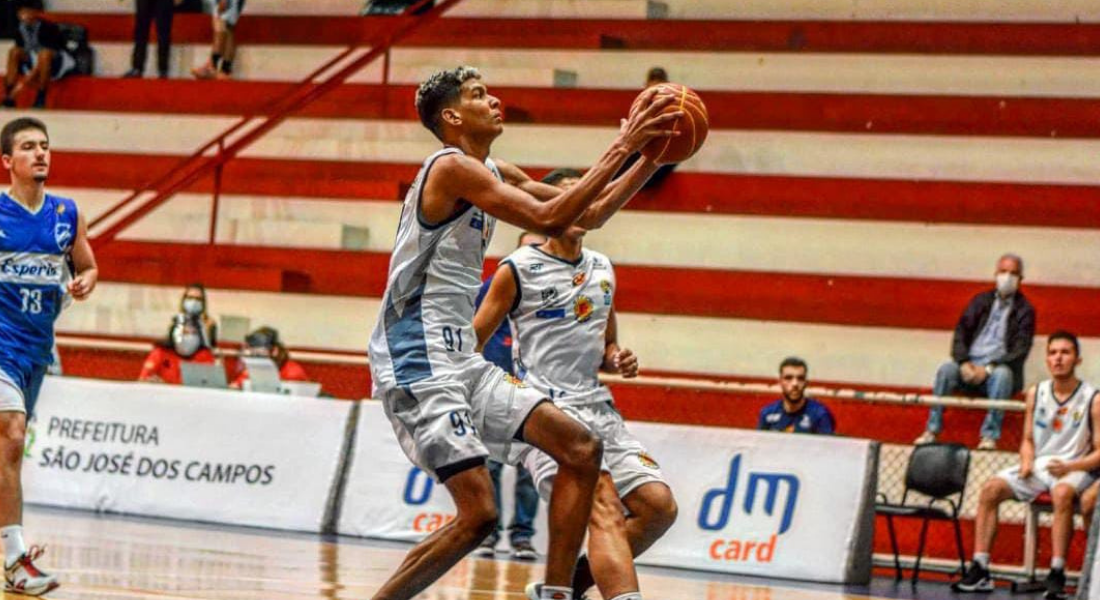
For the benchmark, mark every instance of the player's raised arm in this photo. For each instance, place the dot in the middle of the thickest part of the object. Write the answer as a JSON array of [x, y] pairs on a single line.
[[457, 176], [87, 273], [497, 303]]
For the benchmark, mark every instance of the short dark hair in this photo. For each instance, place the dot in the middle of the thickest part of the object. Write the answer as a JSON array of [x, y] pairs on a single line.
[[1062, 334], [439, 91], [555, 176], [657, 74], [793, 361], [14, 127], [30, 4]]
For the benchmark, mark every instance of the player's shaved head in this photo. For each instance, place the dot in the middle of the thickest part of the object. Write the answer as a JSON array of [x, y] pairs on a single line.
[[440, 91]]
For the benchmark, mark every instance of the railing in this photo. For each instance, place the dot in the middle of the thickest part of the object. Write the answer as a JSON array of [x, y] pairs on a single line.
[[212, 156]]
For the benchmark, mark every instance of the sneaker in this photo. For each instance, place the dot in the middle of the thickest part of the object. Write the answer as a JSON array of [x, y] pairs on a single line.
[[1056, 585], [534, 592], [487, 548], [975, 579], [927, 437], [523, 550], [25, 578], [132, 74], [987, 444], [206, 71]]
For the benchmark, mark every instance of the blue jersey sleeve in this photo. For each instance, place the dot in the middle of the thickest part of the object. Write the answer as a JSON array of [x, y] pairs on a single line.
[[823, 419]]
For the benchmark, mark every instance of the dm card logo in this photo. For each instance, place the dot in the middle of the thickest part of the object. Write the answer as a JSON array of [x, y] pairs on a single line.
[[719, 505]]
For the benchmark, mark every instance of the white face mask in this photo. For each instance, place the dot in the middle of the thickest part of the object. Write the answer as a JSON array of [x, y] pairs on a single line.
[[1007, 284], [192, 306]]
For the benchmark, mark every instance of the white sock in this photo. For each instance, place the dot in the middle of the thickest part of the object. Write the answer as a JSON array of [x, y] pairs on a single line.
[[13, 543], [550, 592], [982, 558], [1058, 563], [629, 596]]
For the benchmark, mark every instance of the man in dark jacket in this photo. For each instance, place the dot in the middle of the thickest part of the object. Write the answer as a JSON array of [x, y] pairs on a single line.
[[991, 343], [38, 55]]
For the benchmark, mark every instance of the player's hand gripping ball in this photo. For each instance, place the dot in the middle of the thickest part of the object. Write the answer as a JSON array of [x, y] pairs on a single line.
[[692, 127]]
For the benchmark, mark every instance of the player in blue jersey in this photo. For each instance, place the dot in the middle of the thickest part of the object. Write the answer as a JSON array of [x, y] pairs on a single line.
[[40, 235]]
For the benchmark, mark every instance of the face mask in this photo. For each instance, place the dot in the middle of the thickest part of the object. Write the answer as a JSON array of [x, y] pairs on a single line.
[[192, 306], [1007, 284]]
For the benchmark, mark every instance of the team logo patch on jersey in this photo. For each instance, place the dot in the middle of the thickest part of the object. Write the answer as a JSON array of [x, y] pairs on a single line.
[[605, 285], [582, 308], [647, 461], [63, 235], [60, 209], [579, 278], [512, 379]]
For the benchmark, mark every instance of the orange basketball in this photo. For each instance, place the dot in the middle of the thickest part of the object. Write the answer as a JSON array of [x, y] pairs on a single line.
[[693, 126]]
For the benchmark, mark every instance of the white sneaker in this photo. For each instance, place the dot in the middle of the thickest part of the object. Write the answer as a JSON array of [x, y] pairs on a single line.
[[927, 437], [533, 591], [987, 444], [23, 577]]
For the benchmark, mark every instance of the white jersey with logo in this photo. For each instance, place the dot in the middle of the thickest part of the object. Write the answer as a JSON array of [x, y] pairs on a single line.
[[427, 312], [1062, 430], [559, 320]]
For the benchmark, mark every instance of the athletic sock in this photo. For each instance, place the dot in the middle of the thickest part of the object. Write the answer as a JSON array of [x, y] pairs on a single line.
[[550, 592], [629, 596], [982, 559], [215, 60], [1058, 563], [582, 576], [227, 66], [13, 543]]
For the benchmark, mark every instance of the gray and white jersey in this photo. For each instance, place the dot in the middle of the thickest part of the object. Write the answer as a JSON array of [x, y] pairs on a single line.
[[1063, 429], [558, 323], [426, 318]]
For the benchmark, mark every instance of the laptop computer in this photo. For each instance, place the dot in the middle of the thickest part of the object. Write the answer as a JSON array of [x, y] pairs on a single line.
[[304, 389], [263, 375], [203, 375]]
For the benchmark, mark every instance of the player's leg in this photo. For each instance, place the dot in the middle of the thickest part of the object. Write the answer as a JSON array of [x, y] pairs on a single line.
[[20, 573], [577, 453], [652, 511], [476, 517], [1088, 504], [16, 58], [609, 552], [1004, 486]]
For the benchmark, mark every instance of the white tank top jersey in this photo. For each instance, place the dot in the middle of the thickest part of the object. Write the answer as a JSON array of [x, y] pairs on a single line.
[[435, 274], [558, 320], [1063, 429]]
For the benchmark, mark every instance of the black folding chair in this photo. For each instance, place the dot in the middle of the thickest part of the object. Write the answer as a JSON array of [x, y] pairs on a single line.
[[938, 471]]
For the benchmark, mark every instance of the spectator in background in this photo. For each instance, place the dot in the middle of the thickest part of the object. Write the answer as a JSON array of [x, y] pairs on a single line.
[[224, 51], [146, 12], [193, 305], [498, 350], [38, 55], [265, 342], [656, 76], [794, 412], [992, 340], [184, 343]]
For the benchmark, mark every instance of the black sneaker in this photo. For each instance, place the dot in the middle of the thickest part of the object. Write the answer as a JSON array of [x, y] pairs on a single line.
[[975, 579], [132, 74], [523, 550], [1056, 585], [488, 547]]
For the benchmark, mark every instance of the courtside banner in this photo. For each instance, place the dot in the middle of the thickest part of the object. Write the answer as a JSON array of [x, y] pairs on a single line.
[[386, 496], [778, 505], [762, 503], [185, 453]]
